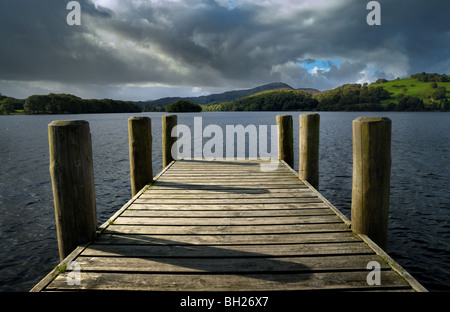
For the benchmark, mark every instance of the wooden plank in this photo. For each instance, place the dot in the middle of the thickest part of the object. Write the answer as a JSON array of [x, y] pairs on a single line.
[[220, 239], [237, 201], [229, 195], [133, 212], [183, 169], [245, 221], [225, 282], [265, 185], [229, 206], [237, 163], [230, 188], [233, 183], [195, 192], [227, 174], [223, 169], [229, 265], [230, 198], [244, 164], [206, 251], [324, 200], [227, 229], [230, 178]]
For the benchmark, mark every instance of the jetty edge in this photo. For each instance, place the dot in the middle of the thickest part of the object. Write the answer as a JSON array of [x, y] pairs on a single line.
[[228, 226]]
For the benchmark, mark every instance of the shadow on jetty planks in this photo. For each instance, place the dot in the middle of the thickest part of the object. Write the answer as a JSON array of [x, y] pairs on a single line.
[[228, 226]]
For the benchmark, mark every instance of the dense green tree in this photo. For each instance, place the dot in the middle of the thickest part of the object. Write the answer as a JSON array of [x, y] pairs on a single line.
[[278, 100], [70, 104], [425, 77], [445, 105], [381, 80], [440, 93], [352, 97], [411, 103], [35, 104], [154, 108], [183, 106], [7, 106]]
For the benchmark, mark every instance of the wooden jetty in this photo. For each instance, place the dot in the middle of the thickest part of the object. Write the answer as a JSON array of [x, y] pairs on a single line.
[[227, 225]]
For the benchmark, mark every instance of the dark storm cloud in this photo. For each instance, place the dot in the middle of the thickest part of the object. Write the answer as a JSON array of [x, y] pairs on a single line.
[[423, 32], [39, 45], [220, 43]]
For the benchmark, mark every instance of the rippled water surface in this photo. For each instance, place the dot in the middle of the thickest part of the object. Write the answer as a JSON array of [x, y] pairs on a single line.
[[419, 229]]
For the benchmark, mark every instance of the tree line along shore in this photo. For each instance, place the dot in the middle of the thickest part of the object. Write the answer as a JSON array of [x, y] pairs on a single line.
[[420, 92], [64, 104]]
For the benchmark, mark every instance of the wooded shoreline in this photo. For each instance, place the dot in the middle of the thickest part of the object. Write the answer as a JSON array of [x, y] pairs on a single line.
[[420, 92]]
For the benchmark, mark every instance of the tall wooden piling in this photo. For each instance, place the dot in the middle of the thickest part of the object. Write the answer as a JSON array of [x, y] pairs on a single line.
[[371, 177], [168, 123], [285, 139], [308, 170], [72, 175], [140, 146]]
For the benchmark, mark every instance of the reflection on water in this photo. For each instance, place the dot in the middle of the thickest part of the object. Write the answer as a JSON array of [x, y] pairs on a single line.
[[419, 229]]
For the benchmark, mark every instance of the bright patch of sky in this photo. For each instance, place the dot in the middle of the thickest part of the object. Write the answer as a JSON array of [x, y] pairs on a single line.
[[314, 67]]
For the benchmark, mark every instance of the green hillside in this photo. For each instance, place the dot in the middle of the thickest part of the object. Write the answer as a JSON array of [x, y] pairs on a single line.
[[160, 104], [432, 89], [420, 92], [275, 100], [352, 97]]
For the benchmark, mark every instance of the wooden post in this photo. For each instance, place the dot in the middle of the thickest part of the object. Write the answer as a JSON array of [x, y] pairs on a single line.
[[285, 139], [72, 174], [371, 177], [309, 148], [168, 123], [140, 146]]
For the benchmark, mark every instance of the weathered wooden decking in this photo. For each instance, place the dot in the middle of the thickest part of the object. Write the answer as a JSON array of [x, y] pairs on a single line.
[[228, 226]]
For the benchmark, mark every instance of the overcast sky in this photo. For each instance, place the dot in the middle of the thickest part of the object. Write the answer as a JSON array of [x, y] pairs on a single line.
[[142, 50]]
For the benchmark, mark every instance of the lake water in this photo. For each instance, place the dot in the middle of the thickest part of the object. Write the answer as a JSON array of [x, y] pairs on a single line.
[[419, 229]]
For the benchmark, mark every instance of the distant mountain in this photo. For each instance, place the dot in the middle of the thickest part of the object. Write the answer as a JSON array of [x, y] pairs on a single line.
[[272, 100], [309, 90], [420, 92], [234, 95], [220, 97]]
